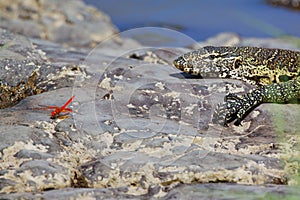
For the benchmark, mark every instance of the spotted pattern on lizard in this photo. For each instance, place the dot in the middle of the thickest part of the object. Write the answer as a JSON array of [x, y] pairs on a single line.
[[276, 72]]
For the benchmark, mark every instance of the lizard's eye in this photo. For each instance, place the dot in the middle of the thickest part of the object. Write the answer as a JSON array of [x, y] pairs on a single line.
[[212, 57]]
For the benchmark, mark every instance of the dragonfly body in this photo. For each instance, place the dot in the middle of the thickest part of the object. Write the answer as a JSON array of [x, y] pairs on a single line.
[[64, 108], [58, 110]]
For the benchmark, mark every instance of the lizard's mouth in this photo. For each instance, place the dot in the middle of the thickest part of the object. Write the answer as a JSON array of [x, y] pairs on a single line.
[[181, 64]]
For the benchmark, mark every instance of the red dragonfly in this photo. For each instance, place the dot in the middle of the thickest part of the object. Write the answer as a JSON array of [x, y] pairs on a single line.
[[58, 110]]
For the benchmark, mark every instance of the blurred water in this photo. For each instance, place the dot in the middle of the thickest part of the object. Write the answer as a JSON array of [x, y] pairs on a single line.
[[203, 18]]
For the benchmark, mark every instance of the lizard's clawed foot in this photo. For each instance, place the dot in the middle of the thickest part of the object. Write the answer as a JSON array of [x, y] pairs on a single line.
[[235, 108]]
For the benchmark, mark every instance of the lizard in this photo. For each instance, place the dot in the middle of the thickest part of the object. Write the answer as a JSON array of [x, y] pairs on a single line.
[[275, 72]]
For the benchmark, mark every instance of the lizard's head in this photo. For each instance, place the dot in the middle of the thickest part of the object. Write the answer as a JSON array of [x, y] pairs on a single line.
[[209, 62]]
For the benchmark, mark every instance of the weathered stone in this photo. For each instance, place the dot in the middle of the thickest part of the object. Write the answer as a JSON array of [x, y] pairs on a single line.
[[25, 153], [68, 22], [25, 70]]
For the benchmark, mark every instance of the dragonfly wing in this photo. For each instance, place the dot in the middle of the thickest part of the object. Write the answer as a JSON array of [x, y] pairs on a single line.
[[42, 107], [67, 110]]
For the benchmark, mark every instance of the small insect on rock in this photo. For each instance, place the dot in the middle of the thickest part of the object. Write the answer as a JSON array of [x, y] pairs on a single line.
[[57, 111]]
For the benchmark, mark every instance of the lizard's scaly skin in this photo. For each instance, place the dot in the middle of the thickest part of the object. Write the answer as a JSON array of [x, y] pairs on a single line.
[[276, 72]]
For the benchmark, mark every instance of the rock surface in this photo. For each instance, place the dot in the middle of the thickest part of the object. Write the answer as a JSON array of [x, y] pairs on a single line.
[[140, 128], [68, 22]]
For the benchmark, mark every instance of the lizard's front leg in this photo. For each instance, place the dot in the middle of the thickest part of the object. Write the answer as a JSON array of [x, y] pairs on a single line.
[[237, 107]]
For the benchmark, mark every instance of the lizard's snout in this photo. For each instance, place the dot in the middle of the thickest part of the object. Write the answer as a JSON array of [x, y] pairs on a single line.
[[179, 63], [182, 64]]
